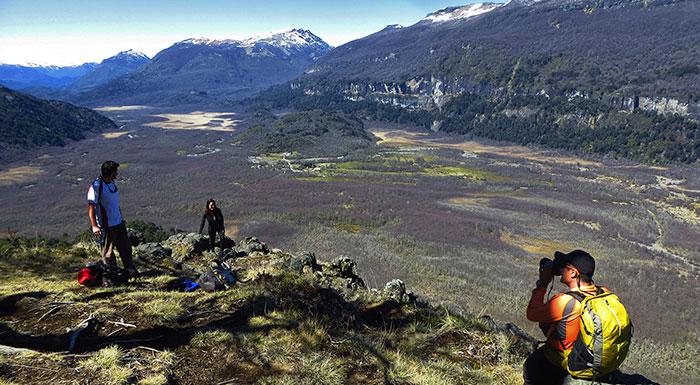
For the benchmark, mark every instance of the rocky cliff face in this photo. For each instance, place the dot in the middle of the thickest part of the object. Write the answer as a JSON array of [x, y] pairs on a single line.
[[433, 92]]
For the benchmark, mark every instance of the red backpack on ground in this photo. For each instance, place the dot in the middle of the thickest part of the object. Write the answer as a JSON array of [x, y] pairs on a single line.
[[91, 275]]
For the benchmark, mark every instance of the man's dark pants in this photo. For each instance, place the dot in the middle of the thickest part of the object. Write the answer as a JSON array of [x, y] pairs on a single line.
[[538, 370], [117, 237]]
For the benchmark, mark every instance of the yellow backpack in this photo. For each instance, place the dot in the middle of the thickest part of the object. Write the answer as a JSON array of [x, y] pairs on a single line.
[[604, 339]]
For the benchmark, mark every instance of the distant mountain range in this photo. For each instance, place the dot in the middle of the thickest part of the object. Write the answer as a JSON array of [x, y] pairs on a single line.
[[194, 70], [58, 82], [36, 76], [28, 122], [204, 70]]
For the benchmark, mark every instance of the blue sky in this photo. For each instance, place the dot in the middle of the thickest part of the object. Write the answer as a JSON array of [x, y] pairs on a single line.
[[63, 32]]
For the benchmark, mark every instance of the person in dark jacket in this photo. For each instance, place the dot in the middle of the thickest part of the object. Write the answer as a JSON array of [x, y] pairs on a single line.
[[215, 219]]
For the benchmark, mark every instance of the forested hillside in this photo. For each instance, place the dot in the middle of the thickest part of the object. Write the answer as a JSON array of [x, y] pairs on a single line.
[[26, 121]]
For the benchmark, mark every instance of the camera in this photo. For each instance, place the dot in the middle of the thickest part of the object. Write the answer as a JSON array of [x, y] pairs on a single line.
[[546, 263]]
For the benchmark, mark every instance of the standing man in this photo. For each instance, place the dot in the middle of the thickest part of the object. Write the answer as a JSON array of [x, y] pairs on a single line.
[[559, 318], [106, 219]]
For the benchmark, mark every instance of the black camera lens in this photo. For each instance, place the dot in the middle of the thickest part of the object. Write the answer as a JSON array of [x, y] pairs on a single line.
[[546, 263]]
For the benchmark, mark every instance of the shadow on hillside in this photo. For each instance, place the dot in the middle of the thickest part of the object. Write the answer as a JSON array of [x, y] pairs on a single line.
[[8, 305], [369, 348], [159, 337], [102, 295], [619, 378]]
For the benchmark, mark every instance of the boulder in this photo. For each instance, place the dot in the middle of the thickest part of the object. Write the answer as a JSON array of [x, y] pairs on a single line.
[[304, 264], [152, 252], [280, 261], [184, 246], [396, 290], [228, 243], [341, 267], [135, 236], [344, 270], [250, 245]]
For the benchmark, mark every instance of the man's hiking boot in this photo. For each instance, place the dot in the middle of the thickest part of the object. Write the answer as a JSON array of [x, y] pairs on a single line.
[[131, 273]]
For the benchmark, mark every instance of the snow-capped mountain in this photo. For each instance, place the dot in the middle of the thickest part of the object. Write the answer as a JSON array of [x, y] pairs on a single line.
[[286, 43], [201, 69], [464, 12], [130, 56], [17, 76], [111, 68], [54, 81]]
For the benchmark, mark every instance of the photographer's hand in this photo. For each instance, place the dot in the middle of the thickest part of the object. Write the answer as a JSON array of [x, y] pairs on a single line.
[[546, 275]]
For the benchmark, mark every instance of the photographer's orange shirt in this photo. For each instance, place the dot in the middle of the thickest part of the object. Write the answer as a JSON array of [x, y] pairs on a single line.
[[558, 317]]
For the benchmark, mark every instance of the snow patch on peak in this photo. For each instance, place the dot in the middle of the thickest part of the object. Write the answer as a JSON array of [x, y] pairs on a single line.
[[294, 38], [297, 37], [38, 65], [199, 41], [464, 12], [132, 53]]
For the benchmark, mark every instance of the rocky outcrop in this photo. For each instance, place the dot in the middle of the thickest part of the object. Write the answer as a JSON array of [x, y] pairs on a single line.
[[135, 236], [396, 290], [666, 106], [250, 245], [185, 246], [342, 273], [152, 253]]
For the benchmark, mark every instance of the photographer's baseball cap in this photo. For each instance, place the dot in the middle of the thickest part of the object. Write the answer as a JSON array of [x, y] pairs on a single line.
[[581, 260]]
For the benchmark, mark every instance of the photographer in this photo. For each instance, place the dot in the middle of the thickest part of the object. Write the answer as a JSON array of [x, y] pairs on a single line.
[[559, 317]]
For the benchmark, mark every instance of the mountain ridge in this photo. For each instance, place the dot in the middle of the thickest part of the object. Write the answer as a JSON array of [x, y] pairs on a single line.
[[17, 76], [111, 68], [200, 70]]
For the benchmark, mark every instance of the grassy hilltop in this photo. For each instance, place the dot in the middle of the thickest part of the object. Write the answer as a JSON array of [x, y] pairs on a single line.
[[291, 320]]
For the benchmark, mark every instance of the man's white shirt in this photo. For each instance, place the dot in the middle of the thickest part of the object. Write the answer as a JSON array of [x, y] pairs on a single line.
[[108, 213]]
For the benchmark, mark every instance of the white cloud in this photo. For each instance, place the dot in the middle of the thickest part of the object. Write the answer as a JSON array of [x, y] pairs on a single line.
[[65, 50]]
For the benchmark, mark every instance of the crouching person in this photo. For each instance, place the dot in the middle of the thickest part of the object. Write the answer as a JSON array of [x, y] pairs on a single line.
[[107, 223], [567, 351]]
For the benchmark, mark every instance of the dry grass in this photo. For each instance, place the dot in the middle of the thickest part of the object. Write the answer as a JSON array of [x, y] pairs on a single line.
[[21, 174], [108, 366], [121, 108], [197, 120], [534, 246], [421, 139], [114, 135]]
